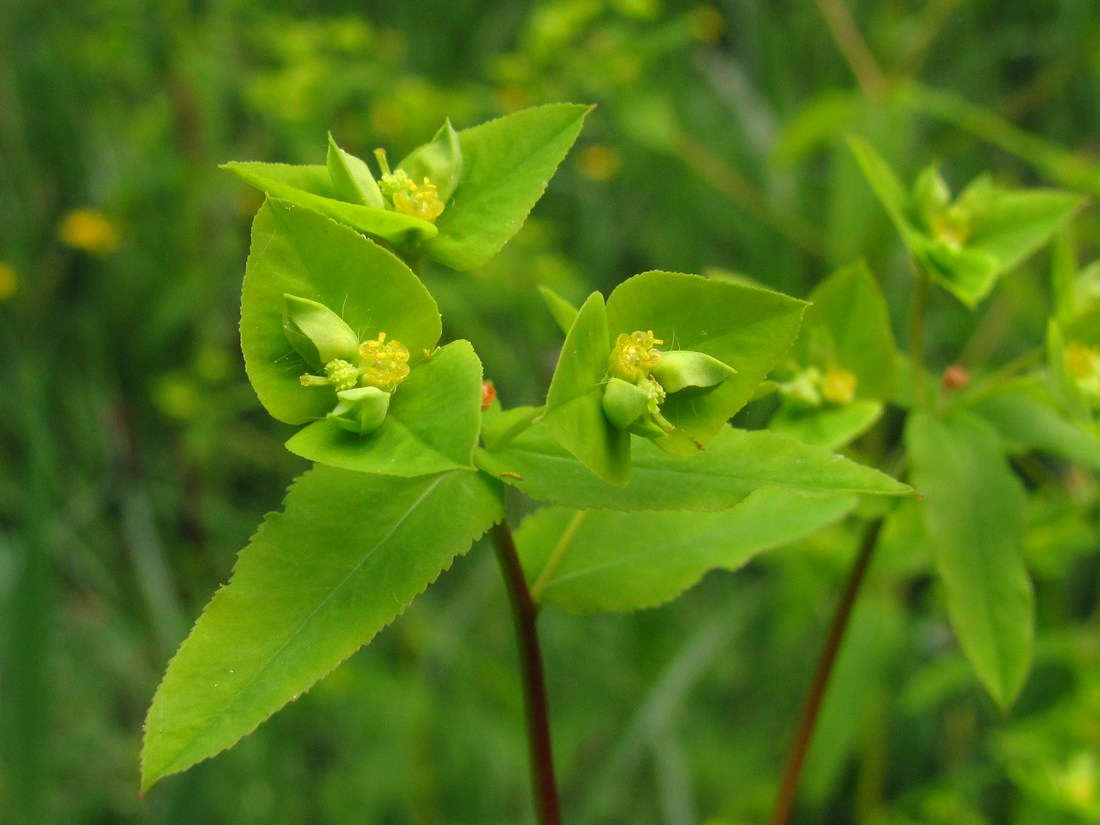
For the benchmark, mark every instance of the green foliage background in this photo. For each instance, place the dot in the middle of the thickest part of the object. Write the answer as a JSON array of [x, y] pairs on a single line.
[[135, 460]]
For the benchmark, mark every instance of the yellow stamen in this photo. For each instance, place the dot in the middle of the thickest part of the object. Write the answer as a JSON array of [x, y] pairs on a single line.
[[383, 365], [634, 355]]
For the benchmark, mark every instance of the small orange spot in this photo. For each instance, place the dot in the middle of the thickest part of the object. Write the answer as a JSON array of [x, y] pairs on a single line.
[[488, 395], [955, 378]]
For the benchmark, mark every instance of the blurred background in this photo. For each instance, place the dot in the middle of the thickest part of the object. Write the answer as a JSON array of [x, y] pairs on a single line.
[[135, 460]]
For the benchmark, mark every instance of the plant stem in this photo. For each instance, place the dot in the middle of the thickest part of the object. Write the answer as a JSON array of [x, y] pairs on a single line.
[[853, 47], [916, 337], [525, 612], [792, 772], [557, 555]]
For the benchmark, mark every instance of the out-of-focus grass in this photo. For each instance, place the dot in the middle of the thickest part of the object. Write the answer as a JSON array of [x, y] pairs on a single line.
[[134, 460]]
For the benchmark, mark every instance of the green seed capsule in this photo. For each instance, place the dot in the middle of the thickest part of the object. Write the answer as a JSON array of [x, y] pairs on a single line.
[[361, 410], [624, 403], [686, 370]]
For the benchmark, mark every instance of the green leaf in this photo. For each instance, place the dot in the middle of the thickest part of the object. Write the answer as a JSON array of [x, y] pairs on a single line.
[[348, 554], [615, 561], [829, 427], [563, 312], [298, 252], [351, 178], [1014, 223], [848, 311], [748, 328], [735, 464], [891, 193], [440, 161], [311, 187], [506, 164], [574, 403], [1025, 416], [432, 424], [974, 509]]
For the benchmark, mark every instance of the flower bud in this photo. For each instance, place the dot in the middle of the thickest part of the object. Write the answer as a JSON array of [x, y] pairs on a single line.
[[803, 391], [317, 333], [361, 410], [686, 370]]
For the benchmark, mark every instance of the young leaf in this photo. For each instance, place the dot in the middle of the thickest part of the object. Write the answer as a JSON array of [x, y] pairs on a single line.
[[574, 403], [848, 308], [736, 463], [440, 161], [614, 561], [432, 424], [506, 164], [974, 509], [891, 193], [348, 554], [298, 252], [563, 312], [351, 178]]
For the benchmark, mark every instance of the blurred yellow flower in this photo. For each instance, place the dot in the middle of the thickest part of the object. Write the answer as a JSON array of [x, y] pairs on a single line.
[[599, 162], [8, 282], [838, 385], [707, 23], [88, 230]]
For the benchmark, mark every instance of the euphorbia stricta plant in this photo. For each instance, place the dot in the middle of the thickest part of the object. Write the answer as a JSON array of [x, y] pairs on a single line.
[[639, 483]]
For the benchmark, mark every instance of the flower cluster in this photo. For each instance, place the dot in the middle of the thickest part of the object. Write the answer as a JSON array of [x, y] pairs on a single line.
[[363, 374], [641, 377], [404, 195], [812, 387]]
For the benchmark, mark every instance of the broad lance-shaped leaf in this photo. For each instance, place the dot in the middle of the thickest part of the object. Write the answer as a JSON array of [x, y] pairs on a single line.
[[432, 424], [607, 560], [974, 509], [348, 554], [300, 253], [734, 464], [506, 165], [311, 187]]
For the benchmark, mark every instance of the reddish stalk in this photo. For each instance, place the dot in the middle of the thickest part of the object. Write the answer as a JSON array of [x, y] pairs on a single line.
[[525, 612], [792, 772]]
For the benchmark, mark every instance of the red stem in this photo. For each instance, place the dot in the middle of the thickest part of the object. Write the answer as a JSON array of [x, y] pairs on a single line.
[[525, 612], [792, 772]]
